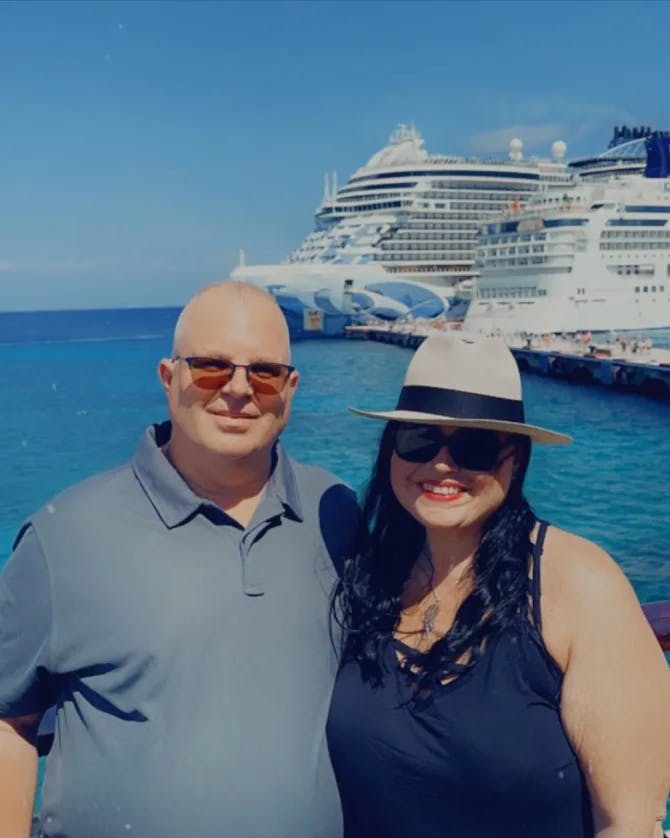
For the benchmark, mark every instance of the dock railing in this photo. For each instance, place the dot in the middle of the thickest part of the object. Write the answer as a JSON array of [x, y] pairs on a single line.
[[658, 614]]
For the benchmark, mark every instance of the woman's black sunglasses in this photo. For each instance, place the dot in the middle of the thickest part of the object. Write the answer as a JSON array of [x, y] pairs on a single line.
[[475, 449]]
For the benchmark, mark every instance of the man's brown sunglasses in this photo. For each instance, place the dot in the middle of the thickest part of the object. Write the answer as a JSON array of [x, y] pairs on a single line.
[[264, 377]]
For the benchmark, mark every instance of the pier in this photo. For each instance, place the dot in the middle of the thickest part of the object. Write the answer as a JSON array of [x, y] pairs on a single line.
[[633, 368]]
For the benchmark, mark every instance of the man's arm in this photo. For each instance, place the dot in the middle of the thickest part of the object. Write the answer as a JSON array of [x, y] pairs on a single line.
[[340, 521], [25, 684], [18, 775]]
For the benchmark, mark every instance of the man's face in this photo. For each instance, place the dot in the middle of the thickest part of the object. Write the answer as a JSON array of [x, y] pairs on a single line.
[[235, 421]]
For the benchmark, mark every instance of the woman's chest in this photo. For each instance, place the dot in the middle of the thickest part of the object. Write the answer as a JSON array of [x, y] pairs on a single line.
[[498, 725]]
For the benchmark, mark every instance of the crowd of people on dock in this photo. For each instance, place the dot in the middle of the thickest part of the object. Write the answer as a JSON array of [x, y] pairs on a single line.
[[583, 343], [580, 342]]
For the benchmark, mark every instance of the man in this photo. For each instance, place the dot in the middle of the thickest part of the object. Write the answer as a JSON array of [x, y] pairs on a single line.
[[176, 612]]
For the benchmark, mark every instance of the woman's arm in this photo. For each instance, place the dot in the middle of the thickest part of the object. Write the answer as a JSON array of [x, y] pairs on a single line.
[[615, 701]]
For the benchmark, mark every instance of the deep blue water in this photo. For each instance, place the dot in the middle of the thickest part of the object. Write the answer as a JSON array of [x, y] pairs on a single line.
[[80, 387]]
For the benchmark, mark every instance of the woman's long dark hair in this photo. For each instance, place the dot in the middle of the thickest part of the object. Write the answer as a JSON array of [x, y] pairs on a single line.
[[367, 602]]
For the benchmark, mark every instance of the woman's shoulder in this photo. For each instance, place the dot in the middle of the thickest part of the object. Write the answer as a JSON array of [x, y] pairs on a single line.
[[582, 586], [577, 565]]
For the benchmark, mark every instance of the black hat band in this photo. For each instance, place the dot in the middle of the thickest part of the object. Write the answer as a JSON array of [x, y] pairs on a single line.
[[460, 405]]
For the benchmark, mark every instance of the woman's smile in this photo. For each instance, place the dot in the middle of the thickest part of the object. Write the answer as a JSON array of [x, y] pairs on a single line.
[[443, 491]]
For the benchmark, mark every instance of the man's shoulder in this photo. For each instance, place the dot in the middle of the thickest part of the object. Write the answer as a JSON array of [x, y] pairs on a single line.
[[313, 478], [89, 493], [79, 507]]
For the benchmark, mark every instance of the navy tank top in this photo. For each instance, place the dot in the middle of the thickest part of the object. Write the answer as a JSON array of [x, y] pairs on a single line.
[[486, 757]]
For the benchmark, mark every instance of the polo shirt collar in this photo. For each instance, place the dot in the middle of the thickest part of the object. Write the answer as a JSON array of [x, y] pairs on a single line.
[[283, 484], [175, 501]]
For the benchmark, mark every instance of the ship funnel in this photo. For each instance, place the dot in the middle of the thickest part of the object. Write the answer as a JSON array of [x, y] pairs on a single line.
[[658, 155]]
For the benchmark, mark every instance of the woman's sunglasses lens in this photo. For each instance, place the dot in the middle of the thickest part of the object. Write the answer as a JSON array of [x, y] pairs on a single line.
[[474, 449], [417, 444]]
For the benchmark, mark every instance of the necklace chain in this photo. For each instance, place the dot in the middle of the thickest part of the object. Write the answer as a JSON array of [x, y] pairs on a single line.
[[431, 612], [429, 615]]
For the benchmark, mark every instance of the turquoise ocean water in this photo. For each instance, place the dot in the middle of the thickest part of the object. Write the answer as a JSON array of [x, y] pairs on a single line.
[[78, 389]]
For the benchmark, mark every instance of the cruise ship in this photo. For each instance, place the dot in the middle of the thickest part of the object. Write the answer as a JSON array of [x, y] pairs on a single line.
[[401, 231], [593, 256]]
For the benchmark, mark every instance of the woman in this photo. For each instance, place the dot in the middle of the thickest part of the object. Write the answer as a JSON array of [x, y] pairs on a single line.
[[498, 678]]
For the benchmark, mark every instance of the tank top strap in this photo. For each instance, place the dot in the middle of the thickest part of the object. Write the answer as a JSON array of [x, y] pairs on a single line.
[[535, 582]]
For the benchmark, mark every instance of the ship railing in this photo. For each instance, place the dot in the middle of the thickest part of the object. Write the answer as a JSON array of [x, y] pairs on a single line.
[[545, 209], [658, 614]]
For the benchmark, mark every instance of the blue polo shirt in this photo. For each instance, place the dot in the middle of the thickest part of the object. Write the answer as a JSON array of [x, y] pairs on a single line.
[[190, 659]]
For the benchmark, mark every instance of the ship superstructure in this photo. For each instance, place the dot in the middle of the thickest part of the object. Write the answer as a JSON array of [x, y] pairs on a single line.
[[410, 216], [417, 214], [593, 256]]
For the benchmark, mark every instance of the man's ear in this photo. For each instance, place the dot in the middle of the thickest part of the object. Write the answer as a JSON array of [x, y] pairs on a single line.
[[165, 370], [293, 379]]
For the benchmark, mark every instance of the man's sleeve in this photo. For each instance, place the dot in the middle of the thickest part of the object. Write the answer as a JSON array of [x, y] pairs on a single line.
[[25, 629], [340, 520]]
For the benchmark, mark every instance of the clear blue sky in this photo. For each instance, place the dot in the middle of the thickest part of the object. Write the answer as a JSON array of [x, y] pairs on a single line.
[[142, 144]]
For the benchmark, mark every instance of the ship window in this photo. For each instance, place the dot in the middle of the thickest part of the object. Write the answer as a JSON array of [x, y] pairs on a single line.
[[647, 208]]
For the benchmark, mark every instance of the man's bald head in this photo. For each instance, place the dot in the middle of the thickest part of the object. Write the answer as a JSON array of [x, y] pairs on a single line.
[[231, 297], [237, 421]]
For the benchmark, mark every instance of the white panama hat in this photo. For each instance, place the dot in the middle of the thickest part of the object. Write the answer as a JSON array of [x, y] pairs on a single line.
[[464, 381]]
